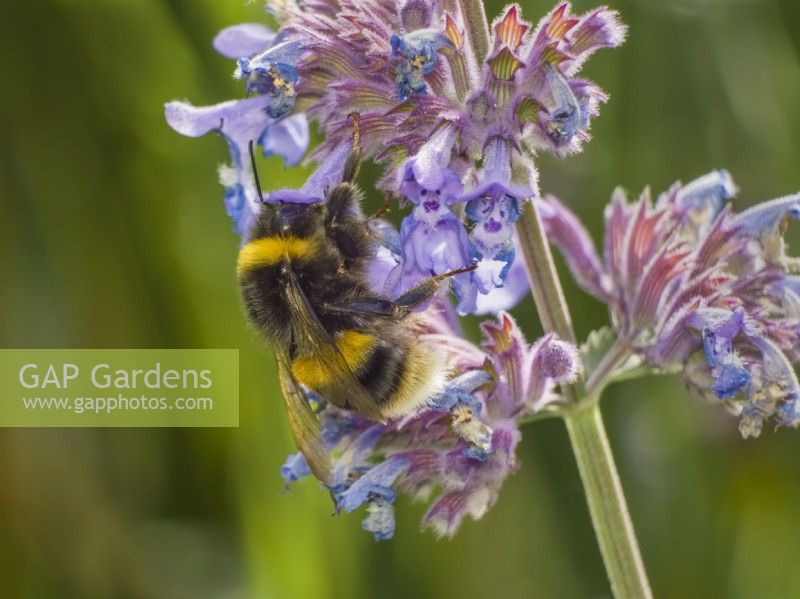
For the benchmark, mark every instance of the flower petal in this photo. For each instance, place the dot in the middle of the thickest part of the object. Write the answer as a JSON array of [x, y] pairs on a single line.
[[767, 216], [239, 120], [515, 287], [571, 237], [287, 138], [245, 39]]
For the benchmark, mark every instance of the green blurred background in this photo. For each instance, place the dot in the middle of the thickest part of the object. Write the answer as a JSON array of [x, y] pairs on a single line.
[[112, 234]]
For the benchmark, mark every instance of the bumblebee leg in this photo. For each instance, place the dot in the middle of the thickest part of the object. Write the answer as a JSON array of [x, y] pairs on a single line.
[[341, 203], [372, 306], [426, 289], [353, 162], [369, 307]]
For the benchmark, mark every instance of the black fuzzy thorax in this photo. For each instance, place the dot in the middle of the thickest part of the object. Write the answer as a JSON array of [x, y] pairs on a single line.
[[333, 282]]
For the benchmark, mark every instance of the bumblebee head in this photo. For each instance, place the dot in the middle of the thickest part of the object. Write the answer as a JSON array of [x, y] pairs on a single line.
[[297, 220]]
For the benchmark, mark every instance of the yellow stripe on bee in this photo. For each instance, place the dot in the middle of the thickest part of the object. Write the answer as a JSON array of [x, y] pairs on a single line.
[[267, 251], [353, 346]]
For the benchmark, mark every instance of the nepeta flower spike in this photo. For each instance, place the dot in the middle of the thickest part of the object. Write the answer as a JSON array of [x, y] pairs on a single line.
[[428, 103], [691, 285]]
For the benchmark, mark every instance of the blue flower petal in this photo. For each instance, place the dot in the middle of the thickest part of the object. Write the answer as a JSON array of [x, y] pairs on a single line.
[[287, 138], [377, 482], [568, 116], [245, 39], [417, 52], [767, 216], [325, 177], [731, 378], [709, 193], [294, 468]]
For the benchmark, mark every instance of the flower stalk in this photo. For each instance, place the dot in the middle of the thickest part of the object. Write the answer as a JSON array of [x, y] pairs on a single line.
[[545, 284], [607, 506]]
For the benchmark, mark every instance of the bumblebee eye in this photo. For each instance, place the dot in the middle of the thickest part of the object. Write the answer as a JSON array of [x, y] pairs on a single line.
[[438, 192], [424, 192]]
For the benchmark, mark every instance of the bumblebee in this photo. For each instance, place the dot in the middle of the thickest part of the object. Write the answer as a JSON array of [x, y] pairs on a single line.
[[303, 283]]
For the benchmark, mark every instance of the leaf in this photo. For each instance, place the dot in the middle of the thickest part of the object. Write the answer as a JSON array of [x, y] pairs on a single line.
[[599, 345]]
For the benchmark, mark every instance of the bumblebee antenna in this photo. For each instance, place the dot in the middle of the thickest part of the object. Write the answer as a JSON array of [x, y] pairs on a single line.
[[255, 172]]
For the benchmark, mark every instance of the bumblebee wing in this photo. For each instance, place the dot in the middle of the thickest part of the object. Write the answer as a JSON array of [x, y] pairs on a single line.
[[343, 381], [304, 424]]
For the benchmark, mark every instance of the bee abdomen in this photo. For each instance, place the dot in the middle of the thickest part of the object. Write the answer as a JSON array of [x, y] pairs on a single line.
[[423, 374], [399, 375], [381, 372]]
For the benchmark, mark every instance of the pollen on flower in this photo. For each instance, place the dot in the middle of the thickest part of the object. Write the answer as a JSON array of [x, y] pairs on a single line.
[[467, 426]]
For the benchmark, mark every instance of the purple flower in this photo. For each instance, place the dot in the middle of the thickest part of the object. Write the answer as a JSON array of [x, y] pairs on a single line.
[[691, 285], [567, 116], [272, 73], [719, 328], [463, 443], [416, 53], [766, 224], [439, 117], [433, 240], [499, 299], [493, 207], [244, 122], [704, 198], [241, 122], [428, 173], [551, 104], [327, 175], [371, 56]]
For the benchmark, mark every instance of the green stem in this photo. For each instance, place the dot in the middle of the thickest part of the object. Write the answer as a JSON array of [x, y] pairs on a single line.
[[545, 284], [477, 28], [609, 512], [607, 507]]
